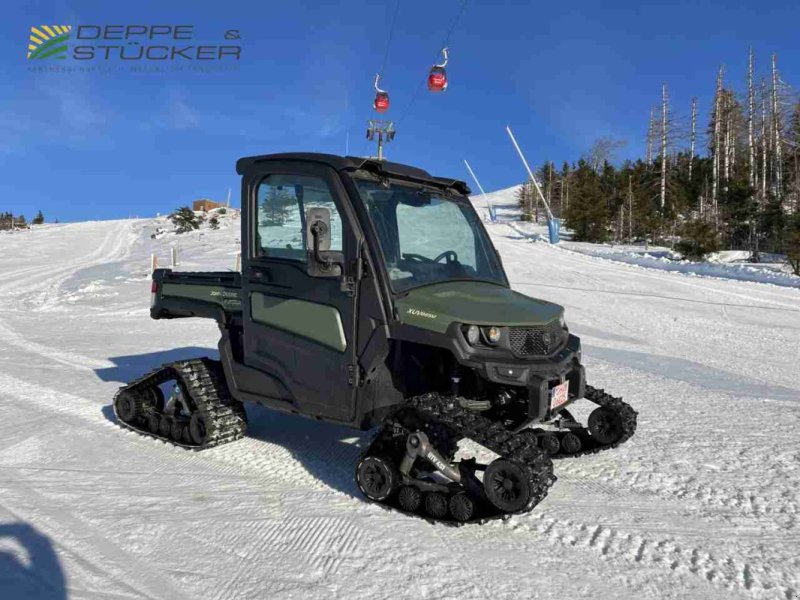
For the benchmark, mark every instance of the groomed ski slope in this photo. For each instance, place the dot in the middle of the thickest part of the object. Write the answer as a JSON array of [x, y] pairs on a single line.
[[701, 503]]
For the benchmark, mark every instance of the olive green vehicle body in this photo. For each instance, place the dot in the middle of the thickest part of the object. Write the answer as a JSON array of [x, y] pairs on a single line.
[[436, 307], [341, 344]]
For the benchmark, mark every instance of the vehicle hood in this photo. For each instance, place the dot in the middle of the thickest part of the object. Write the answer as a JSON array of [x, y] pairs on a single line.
[[436, 306]]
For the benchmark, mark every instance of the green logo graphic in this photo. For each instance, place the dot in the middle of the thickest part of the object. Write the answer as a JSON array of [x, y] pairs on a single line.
[[49, 41]]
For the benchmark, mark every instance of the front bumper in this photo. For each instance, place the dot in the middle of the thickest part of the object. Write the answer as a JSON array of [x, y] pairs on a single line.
[[538, 376]]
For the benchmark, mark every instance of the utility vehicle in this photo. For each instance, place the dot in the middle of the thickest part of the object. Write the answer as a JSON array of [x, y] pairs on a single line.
[[371, 295]]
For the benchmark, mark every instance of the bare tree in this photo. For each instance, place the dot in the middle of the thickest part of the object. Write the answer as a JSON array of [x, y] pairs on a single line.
[[764, 138], [603, 150], [777, 154], [717, 144], [664, 112], [751, 109], [693, 136]]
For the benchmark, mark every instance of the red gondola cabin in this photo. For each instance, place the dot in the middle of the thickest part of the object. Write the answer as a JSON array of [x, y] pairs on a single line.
[[381, 103], [437, 80]]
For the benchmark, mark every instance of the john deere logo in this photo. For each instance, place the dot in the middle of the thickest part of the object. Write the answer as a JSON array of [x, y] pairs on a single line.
[[49, 41]]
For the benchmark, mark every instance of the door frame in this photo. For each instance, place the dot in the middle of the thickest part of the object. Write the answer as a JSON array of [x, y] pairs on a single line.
[[287, 278]]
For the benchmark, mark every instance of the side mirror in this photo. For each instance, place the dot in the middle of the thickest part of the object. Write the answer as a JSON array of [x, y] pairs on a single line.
[[322, 262]]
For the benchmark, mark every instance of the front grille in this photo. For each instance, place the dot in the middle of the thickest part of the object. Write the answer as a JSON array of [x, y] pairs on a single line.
[[536, 341]]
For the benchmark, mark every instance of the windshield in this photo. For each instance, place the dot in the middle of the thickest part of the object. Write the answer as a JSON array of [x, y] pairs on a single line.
[[428, 236]]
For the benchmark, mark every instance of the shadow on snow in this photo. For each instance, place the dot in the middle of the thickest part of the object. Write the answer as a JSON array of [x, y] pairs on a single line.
[[29, 567], [328, 452]]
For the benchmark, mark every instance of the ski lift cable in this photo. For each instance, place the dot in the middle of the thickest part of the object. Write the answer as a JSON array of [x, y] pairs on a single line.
[[389, 39], [443, 45], [379, 75]]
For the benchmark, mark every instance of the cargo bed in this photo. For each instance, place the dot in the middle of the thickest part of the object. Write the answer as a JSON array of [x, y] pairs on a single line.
[[208, 294]]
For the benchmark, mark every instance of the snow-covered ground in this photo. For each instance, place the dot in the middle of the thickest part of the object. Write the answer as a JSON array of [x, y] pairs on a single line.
[[701, 503]]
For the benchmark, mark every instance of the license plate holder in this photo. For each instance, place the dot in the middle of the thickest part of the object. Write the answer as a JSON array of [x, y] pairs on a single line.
[[559, 395]]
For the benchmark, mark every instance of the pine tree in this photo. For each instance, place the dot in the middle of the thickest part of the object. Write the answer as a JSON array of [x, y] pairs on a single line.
[[38, 219], [278, 205], [793, 244], [588, 213], [184, 220], [525, 200], [698, 239]]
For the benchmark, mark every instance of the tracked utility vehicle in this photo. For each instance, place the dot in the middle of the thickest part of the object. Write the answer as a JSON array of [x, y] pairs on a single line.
[[370, 295]]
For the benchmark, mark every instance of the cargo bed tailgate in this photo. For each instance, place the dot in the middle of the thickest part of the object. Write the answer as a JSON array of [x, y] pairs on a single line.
[[195, 294]]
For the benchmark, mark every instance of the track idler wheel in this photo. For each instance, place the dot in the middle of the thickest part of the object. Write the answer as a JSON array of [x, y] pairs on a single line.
[[461, 507], [377, 478], [507, 485], [409, 498], [128, 406], [605, 425], [436, 505]]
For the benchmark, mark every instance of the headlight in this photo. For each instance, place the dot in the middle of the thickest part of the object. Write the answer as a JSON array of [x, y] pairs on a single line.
[[493, 335], [473, 334]]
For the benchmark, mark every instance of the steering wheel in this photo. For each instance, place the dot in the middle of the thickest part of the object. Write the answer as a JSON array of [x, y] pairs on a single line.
[[450, 255]]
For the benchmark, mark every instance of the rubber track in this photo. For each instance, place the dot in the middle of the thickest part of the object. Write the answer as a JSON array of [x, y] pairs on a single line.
[[627, 415], [464, 423], [203, 380]]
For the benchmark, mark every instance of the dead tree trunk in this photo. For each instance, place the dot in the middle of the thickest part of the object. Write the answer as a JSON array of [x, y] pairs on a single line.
[[764, 143], [630, 210], [777, 155], [717, 144], [664, 108], [751, 109], [693, 137]]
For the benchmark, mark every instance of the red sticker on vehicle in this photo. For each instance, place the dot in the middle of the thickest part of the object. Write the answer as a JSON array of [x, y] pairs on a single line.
[[559, 395]]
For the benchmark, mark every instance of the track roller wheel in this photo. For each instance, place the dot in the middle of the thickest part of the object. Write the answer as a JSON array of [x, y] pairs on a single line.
[[550, 443], [186, 435], [605, 425], [436, 505], [461, 507], [507, 485], [571, 443], [164, 426], [198, 428], [128, 406], [377, 478], [176, 431], [409, 498], [153, 423]]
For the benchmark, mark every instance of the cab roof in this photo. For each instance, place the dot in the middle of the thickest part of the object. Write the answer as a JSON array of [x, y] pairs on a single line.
[[355, 163]]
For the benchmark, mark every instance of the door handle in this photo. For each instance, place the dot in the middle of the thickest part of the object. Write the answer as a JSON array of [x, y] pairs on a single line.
[[260, 274]]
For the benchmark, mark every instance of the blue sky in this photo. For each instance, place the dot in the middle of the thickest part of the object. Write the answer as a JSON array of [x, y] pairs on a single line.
[[104, 145]]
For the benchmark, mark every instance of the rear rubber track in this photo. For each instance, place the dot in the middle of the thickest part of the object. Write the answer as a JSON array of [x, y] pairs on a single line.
[[202, 381]]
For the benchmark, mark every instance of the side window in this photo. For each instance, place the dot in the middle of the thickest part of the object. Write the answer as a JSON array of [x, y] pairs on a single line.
[[283, 201]]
